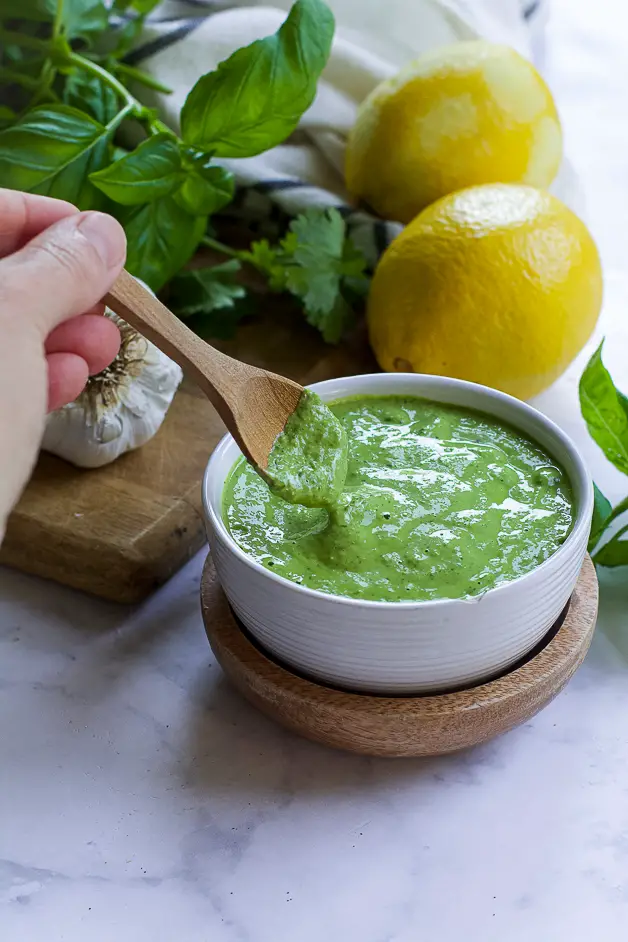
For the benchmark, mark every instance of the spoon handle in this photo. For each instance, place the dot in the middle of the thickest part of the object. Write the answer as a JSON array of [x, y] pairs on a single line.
[[215, 373]]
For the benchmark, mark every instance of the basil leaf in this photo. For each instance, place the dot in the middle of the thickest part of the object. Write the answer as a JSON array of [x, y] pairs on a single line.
[[78, 18], [615, 552], [150, 171], [144, 6], [51, 150], [205, 193], [602, 510], [127, 36], [7, 116], [161, 239], [254, 99], [141, 6], [39, 10], [604, 412], [87, 93]]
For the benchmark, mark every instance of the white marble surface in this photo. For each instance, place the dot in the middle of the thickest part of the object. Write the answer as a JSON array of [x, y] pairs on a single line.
[[142, 801]]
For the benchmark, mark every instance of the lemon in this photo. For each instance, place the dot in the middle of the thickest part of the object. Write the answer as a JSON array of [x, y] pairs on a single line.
[[470, 113], [499, 284]]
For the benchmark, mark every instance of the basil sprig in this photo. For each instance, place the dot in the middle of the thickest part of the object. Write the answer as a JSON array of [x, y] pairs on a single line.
[[64, 97], [605, 410]]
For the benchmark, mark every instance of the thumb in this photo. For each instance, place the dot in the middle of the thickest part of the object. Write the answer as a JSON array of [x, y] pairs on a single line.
[[63, 271]]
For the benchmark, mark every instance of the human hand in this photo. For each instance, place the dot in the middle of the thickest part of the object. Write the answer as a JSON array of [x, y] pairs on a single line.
[[55, 266]]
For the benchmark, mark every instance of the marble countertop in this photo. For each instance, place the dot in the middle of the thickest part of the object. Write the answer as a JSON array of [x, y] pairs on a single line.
[[142, 801]]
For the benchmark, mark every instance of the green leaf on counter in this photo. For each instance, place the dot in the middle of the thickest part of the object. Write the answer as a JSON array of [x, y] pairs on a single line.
[[603, 409], [161, 238], [147, 173], [602, 510], [52, 150], [87, 93], [319, 264], [254, 100], [615, 552], [212, 296], [206, 189]]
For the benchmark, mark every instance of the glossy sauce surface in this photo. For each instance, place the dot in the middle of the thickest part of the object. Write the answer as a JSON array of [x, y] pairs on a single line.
[[439, 502]]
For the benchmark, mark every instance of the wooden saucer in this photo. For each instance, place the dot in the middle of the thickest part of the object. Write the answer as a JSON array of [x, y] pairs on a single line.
[[402, 726]]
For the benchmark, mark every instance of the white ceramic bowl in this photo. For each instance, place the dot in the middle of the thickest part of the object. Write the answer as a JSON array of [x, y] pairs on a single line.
[[404, 647]]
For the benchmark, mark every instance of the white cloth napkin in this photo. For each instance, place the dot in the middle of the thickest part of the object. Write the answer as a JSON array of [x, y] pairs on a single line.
[[374, 39]]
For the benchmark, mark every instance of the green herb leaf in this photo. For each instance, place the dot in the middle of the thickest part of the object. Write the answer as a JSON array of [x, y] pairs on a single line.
[[206, 189], [150, 171], [270, 262], [38, 10], [161, 238], [604, 412], [78, 18], [615, 552], [7, 116], [318, 264], [202, 290], [87, 93], [602, 510], [126, 37], [212, 293], [254, 99], [141, 6], [52, 150]]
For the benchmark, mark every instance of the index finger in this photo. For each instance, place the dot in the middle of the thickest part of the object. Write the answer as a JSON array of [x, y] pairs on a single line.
[[25, 215]]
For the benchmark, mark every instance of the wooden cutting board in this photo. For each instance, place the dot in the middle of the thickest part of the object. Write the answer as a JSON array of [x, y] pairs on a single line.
[[121, 531]]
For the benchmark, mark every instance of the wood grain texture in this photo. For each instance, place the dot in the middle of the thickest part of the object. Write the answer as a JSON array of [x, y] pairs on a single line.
[[120, 531], [254, 403], [401, 726]]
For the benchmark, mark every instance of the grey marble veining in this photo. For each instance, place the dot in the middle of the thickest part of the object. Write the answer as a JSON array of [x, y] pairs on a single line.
[[142, 801]]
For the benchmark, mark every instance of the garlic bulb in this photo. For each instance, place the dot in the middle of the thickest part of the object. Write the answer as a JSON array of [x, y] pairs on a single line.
[[120, 408]]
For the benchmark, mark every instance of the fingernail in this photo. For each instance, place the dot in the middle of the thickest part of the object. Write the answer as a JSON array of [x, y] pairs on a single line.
[[106, 235]]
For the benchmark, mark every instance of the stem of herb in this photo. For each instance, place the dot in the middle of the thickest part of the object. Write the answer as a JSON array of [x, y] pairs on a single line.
[[56, 26], [615, 537], [217, 246], [125, 112], [18, 78], [105, 77], [617, 511], [138, 76], [12, 38]]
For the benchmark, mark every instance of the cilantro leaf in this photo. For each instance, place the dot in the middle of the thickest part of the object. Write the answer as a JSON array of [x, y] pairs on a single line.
[[319, 264], [212, 296]]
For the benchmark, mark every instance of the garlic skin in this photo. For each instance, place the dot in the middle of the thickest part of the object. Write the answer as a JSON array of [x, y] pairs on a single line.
[[120, 409]]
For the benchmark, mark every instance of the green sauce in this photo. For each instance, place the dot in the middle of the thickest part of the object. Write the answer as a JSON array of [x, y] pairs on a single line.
[[439, 502], [308, 462]]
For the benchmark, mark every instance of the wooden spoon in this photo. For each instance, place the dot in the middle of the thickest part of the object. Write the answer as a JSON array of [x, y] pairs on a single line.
[[254, 404]]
